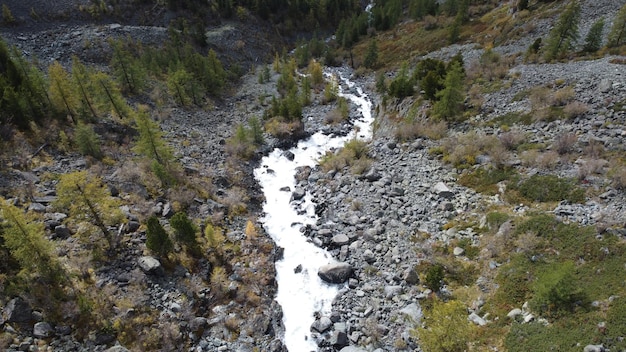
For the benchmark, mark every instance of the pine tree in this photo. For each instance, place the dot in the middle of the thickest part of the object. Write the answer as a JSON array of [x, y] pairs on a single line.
[[23, 235], [185, 230], [402, 85], [371, 57], [88, 200], [563, 36], [593, 41], [157, 239], [617, 36], [451, 97]]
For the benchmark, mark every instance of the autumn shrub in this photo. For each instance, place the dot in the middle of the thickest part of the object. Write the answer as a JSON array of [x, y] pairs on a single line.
[[575, 109], [564, 143], [445, 328], [354, 155], [511, 139], [618, 177]]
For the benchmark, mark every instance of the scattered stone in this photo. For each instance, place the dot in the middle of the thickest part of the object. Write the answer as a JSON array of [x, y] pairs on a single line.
[[61, 232], [298, 193], [514, 313], [37, 208], [457, 251], [476, 319]]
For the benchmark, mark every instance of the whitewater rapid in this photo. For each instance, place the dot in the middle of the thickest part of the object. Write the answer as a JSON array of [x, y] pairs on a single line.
[[302, 294]]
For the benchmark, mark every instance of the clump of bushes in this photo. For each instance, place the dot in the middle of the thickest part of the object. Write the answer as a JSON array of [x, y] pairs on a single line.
[[550, 188], [353, 155]]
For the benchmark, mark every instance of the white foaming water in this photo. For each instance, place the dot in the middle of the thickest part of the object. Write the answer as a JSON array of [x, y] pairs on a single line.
[[302, 294]]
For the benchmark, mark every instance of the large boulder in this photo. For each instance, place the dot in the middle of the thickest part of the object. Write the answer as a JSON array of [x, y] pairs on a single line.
[[150, 265], [335, 273], [17, 311]]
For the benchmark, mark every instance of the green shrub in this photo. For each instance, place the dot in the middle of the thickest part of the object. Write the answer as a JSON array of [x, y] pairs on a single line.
[[496, 219], [434, 277], [485, 180], [550, 188], [557, 291]]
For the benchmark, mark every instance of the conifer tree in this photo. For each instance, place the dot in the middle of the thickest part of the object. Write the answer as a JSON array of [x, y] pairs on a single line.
[[371, 57], [88, 200], [23, 235], [62, 92], [185, 230], [151, 143], [178, 82], [81, 77], [593, 41], [563, 36], [617, 36], [451, 97], [87, 140], [127, 70], [157, 239], [108, 96]]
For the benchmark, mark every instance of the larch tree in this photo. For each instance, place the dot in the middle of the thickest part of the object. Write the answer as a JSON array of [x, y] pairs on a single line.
[[564, 34], [62, 93], [81, 77], [89, 201], [23, 235], [371, 57], [617, 36]]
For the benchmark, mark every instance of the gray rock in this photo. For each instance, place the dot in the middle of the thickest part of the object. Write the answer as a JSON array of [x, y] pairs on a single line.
[[37, 207], [476, 319], [321, 325], [458, 251], [335, 273], [369, 256], [340, 240], [17, 311], [411, 276], [61, 232], [443, 191], [352, 349], [514, 313], [392, 291], [372, 175], [132, 226], [117, 348], [339, 339], [298, 193], [43, 330], [168, 211], [150, 265], [413, 312], [594, 348]]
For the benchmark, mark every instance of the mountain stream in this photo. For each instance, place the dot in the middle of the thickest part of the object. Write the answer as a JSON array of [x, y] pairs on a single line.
[[301, 293]]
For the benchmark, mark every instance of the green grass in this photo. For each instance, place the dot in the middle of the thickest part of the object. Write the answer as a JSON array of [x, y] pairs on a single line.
[[512, 118]]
